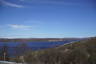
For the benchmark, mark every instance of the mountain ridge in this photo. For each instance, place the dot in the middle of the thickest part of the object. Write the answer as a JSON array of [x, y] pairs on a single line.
[[37, 39]]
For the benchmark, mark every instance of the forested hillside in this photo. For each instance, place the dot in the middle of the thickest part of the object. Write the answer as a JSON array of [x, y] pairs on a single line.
[[82, 52]]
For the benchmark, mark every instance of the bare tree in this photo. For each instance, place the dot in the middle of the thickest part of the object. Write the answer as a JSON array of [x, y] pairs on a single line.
[[4, 52]]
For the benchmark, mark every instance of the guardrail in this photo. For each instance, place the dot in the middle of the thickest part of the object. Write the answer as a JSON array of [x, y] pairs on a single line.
[[7, 62]]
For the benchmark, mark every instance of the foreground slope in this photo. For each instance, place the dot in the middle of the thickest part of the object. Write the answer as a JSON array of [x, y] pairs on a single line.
[[82, 52]]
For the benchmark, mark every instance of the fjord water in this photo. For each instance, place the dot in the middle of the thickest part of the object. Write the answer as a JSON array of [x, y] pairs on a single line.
[[36, 44], [31, 45]]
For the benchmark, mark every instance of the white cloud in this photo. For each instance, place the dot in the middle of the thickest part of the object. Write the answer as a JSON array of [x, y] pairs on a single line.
[[16, 26], [3, 2]]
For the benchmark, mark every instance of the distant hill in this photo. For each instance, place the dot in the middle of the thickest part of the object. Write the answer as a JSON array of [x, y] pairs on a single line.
[[82, 52], [36, 39]]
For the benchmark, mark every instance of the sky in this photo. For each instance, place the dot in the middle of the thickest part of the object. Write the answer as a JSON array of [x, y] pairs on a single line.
[[47, 18]]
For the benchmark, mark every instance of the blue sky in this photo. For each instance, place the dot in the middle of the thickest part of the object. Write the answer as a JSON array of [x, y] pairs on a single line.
[[47, 18]]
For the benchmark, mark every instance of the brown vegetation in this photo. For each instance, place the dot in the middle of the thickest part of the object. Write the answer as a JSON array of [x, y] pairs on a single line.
[[83, 52]]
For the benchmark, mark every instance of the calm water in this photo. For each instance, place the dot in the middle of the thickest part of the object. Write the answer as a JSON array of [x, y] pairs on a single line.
[[36, 44], [14, 47]]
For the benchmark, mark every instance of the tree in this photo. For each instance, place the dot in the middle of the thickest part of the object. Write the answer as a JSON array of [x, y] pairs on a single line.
[[4, 53], [20, 51]]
